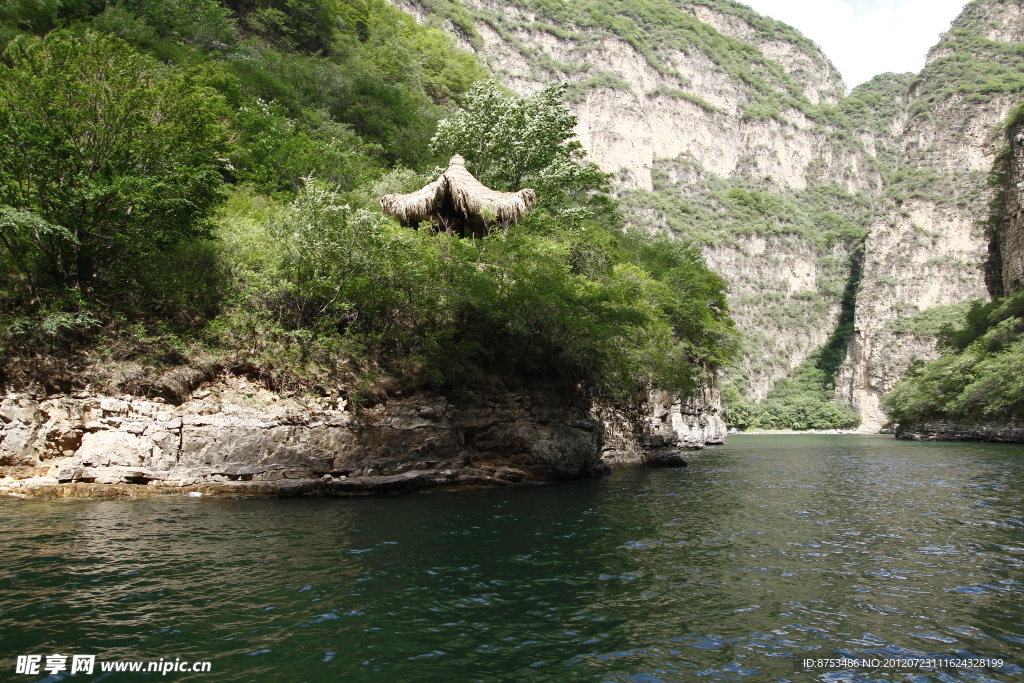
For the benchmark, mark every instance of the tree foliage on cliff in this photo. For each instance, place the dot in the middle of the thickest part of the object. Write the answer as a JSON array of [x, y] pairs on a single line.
[[300, 115], [977, 378], [510, 141], [324, 275]]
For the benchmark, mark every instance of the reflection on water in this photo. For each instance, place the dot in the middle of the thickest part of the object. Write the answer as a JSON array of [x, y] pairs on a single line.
[[764, 552]]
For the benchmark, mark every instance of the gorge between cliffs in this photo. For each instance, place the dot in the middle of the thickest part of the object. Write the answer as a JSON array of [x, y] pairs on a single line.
[[739, 243], [688, 362]]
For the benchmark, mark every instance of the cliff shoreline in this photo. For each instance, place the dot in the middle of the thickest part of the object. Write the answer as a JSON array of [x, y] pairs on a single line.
[[949, 430], [238, 440]]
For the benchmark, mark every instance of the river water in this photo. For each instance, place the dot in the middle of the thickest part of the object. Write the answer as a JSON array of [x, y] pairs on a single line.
[[764, 553]]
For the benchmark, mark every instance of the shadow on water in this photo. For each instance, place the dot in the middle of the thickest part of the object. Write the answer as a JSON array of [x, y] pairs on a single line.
[[764, 552]]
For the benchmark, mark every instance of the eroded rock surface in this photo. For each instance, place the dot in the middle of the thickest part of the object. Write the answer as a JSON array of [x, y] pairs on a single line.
[[82, 446], [938, 430]]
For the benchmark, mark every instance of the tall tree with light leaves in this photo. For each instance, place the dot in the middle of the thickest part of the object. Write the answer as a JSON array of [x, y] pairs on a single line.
[[510, 142]]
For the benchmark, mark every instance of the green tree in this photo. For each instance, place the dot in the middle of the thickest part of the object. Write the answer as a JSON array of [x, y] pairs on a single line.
[[103, 155], [275, 153], [305, 25], [508, 140]]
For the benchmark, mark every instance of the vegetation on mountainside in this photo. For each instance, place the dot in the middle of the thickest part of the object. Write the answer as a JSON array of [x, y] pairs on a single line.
[[826, 224], [800, 402], [978, 377], [274, 128], [873, 106], [973, 67], [511, 141], [711, 209], [655, 28]]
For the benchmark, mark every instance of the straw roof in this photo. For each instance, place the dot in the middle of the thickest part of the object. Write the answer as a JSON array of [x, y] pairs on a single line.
[[457, 201]]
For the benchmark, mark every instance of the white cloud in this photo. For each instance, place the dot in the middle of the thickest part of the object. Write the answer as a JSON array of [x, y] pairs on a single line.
[[891, 35]]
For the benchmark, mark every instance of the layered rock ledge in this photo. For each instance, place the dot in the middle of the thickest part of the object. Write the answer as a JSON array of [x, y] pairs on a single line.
[[1010, 432], [233, 442]]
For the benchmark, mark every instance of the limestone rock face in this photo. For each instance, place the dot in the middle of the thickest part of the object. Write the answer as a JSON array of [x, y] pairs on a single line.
[[758, 268], [689, 105], [931, 249], [406, 443], [933, 256], [665, 428], [925, 248], [1010, 233]]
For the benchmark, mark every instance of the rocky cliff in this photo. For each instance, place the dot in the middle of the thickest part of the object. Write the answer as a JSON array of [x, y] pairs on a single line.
[[1008, 242], [236, 438], [735, 132], [690, 105], [929, 249]]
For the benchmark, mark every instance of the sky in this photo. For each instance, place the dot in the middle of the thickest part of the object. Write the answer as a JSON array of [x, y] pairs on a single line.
[[867, 37]]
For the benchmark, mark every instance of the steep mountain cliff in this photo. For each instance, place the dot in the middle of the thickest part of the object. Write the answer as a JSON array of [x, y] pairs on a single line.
[[1007, 258], [721, 126], [928, 250], [849, 227]]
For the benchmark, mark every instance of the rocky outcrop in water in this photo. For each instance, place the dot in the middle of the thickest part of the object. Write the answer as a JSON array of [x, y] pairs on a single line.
[[255, 443], [938, 430]]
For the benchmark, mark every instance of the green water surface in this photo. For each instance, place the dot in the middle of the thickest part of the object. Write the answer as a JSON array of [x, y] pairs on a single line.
[[763, 553]]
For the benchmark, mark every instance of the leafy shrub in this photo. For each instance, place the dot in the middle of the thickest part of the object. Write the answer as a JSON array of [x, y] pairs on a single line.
[[978, 378], [801, 402], [102, 158], [319, 278]]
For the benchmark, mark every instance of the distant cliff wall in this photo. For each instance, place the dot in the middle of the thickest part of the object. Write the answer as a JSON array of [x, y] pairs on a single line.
[[930, 249], [1009, 237], [904, 158]]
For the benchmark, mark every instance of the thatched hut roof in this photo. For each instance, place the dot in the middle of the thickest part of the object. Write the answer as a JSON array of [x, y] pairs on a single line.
[[457, 200]]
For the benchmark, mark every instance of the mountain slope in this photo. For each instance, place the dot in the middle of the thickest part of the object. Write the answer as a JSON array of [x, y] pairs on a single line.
[[928, 252], [848, 226]]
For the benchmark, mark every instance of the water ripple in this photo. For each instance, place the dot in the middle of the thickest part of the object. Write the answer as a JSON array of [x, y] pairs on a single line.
[[763, 553]]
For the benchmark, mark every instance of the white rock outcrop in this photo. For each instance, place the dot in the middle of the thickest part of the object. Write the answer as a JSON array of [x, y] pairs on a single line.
[[424, 440]]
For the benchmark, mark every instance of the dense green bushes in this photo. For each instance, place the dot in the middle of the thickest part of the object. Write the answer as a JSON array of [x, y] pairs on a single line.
[[102, 159], [979, 376], [297, 120], [803, 401], [320, 279]]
